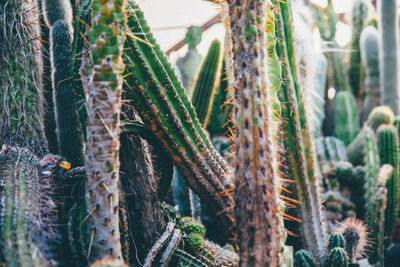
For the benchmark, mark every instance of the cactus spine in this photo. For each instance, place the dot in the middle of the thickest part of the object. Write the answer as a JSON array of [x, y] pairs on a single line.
[[105, 67], [388, 54], [346, 118], [370, 60], [298, 143], [388, 144], [164, 106], [359, 15], [20, 88], [206, 83], [256, 208]]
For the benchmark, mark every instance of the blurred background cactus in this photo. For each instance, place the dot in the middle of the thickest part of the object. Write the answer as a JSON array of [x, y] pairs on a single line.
[[275, 142]]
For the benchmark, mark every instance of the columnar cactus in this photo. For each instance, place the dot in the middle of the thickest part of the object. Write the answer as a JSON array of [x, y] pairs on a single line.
[[303, 258], [359, 14], [256, 207], [388, 144], [318, 95], [346, 117], [388, 54], [21, 109], [206, 83], [337, 258], [105, 67], [162, 103], [299, 144], [370, 60]]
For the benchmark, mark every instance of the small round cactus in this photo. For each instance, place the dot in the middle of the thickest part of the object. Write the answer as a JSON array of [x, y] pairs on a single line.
[[194, 242], [336, 240], [380, 115], [337, 258], [303, 258], [191, 226], [344, 172]]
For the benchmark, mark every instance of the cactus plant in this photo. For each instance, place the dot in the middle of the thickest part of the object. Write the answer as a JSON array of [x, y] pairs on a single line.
[[370, 61], [346, 117], [21, 97], [105, 67], [255, 196], [388, 42], [298, 143], [388, 144], [303, 258], [164, 106], [337, 258], [336, 240], [358, 18], [318, 95], [206, 83]]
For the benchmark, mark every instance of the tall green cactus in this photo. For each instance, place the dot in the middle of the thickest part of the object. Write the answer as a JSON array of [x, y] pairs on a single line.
[[346, 117], [105, 67], [298, 142], [206, 82], [388, 144], [256, 208], [388, 54], [162, 103], [21, 108], [337, 258], [358, 18], [370, 60], [318, 95]]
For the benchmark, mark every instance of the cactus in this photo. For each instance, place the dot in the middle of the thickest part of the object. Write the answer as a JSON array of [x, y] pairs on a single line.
[[379, 115], [206, 83], [370, 61], [164, 106], [344, 172], [388, 144], [388, 42], [108, 262], [371, 160], [188, 65], [105, 67], [359, 15], [318, 95], [298, 143], [256, 208], [346, 118], [337, 258], [329, 150], [335, 240], [303, 258], [21, 110]]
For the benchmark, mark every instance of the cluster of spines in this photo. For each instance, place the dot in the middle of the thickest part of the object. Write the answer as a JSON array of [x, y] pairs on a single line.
[[165, 107], [105, 66]]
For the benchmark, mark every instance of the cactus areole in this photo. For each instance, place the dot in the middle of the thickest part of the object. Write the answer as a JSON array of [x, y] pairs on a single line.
[[105, 67]]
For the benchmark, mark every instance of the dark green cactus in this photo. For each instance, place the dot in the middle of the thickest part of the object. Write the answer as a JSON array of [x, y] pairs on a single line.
[[159, 98], [206, 83], [335, 240], [379, 115], [346, 117], [388, 57], [303, 258], [337, 258], [370, 61], [344, 172], [388, 144], [358, 18], [298, 141], [21, 108]]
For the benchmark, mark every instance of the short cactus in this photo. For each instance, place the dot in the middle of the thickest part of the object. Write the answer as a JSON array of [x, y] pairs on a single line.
[[337, 258], [346, 117], [303, 258], [335, 240]]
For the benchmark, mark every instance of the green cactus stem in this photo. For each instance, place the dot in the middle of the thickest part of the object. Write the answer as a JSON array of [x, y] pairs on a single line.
[[370, 61], [21, 108], [329, 150], [335, 240], [256, 208], [153, 88], [388, 144], [105, 67], [358, 18], [337, 258], [318, 95], [299, 144], [378, 116], [346, 117], [303, 258], [206, 82], [388, 41]]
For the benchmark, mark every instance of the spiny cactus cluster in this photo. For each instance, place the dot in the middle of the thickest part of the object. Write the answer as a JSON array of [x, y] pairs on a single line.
[[287, 149]]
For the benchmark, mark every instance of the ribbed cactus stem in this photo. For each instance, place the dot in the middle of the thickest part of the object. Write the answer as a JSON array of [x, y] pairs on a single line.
[[256, 207], [388, 54], [372, 163], [346, 117], [207, 82], [358, 18], [162, 103], [388, 144], [299, 143], [337, 258], [21, 109], [105, 67], [370, 61]]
